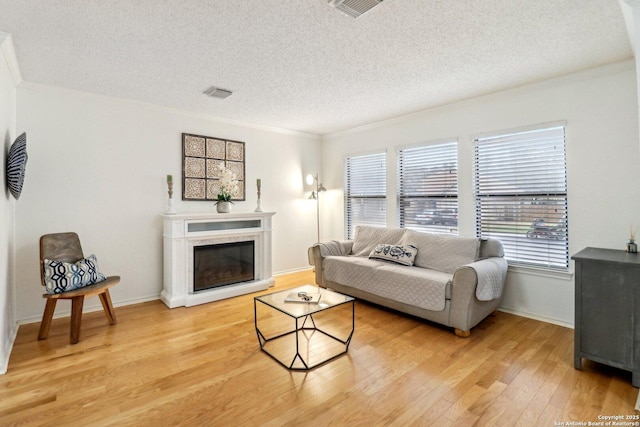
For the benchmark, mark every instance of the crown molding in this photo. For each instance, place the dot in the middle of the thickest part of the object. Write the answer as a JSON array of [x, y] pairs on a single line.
[[9, 52], [42, 87], [590, 73]]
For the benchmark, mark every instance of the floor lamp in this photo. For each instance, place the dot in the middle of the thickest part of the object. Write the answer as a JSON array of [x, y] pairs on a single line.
[[315, 196]]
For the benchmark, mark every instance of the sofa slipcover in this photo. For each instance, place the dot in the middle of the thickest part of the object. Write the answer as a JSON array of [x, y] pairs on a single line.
[[455, 281]]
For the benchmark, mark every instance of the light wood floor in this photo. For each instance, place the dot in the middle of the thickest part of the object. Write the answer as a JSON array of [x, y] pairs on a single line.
[[202, 366]]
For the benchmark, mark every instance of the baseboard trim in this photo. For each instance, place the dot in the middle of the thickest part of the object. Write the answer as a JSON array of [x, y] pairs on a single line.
[[537, 317], [89, 308], [293, 270], [66, 312], [6, 351]]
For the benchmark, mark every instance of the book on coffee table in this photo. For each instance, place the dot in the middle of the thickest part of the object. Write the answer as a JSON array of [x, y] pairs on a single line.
[[309, 298]]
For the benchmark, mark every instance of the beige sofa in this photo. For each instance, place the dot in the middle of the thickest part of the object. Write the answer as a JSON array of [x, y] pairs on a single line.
[[451, 280]]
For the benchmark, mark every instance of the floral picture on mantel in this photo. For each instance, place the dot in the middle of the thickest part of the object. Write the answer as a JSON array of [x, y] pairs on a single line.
[[204, 159]]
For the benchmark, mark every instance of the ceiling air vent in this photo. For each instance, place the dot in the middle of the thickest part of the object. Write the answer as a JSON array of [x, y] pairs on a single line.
[[354, 8], [217, 92]]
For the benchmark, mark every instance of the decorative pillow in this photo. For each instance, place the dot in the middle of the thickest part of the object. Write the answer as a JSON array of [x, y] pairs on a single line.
[[367, 237], [62, 277], [404, 255]]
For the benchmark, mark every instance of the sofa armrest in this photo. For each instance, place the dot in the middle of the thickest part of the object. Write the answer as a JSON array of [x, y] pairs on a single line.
[[469, 280], [491, 274], [319, 251]]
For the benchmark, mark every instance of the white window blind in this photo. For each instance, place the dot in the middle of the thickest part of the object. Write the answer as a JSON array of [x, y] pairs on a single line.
[[521, 195], [428, 187], [365, 191]]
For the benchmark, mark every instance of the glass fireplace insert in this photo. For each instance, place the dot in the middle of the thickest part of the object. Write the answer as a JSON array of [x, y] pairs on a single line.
[[223, 264]]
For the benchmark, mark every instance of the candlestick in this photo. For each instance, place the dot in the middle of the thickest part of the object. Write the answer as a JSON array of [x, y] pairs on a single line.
[[170, 209], [259, 207]]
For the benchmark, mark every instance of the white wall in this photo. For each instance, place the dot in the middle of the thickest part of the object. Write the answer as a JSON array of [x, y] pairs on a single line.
[[603, 166], [8, 327], [98, 166]]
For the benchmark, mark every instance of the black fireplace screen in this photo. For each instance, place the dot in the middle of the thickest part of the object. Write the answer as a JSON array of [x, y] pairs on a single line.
[[223, 264]]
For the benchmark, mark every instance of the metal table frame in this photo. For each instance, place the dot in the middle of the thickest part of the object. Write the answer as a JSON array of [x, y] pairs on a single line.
[[301, 326]]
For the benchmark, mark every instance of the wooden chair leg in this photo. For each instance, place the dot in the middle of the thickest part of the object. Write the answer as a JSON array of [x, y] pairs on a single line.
[[105, 299], [47, 317], [76, 318]]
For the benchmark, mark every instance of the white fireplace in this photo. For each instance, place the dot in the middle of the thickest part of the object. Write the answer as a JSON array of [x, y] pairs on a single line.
[[207, 257]]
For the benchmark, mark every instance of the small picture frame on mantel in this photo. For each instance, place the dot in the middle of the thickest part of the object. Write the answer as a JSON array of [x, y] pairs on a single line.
[[202, 156]]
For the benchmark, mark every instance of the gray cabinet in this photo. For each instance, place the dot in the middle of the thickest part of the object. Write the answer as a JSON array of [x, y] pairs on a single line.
[[607, 316]]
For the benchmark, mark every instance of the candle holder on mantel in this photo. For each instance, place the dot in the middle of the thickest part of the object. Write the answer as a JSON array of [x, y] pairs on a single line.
[[170, 208], [259, 184]]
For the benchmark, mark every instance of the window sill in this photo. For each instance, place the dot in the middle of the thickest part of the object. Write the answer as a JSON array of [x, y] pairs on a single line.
[[542, 272]]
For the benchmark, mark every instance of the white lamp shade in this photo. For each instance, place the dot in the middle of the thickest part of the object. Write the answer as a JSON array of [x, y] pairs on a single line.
[[309, 179]]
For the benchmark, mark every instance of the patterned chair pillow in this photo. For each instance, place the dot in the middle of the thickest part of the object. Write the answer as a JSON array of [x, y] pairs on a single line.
[[404, 255], [62, 277]]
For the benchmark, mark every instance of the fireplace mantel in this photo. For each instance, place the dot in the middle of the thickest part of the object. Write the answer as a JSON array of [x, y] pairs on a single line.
[[183, 232]]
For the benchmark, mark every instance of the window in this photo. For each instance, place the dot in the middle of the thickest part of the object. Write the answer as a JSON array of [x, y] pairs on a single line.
[[365, 191], [521, 195], [428, 188]]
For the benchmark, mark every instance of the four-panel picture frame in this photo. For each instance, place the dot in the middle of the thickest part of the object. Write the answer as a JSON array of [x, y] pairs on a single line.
[[202, 158]]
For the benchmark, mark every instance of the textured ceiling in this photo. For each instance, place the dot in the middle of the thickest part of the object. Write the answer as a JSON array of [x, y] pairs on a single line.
[[302, 65]]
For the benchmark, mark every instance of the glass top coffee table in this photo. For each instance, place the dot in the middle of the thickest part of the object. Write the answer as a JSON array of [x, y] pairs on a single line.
[[304, 335]]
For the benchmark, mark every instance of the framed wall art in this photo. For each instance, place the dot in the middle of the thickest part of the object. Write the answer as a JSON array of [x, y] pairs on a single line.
[[203, 158]]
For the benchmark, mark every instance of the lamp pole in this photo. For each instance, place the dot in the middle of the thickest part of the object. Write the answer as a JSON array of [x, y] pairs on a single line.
[[318, 207], [316, 196]]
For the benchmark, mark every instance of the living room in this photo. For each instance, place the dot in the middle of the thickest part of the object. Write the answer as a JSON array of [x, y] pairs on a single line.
[[98, 164]]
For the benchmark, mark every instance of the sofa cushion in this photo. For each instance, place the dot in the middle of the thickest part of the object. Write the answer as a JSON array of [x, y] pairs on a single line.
[[442, 252], [419, 287], [490, 248], [403, 255], [367, 237]]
